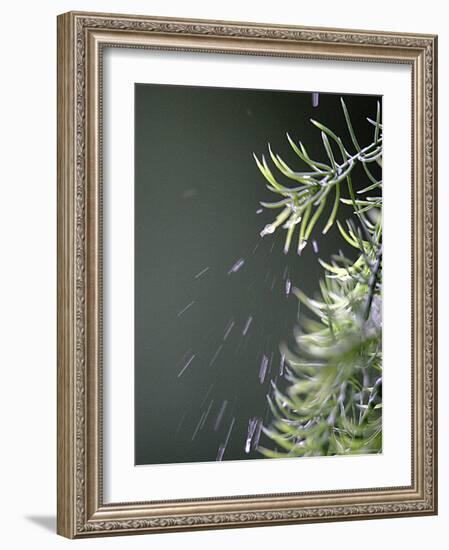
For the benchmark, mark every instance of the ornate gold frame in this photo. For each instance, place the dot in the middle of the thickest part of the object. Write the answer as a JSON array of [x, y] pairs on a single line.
[[81, 37]]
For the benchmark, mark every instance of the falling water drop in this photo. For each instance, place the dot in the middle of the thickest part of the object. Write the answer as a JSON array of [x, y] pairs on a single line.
[[222, 447], [281, 365], [228, 329], [202, 272], [238, 264], [263, 368], [216, 354], [180, 423], [268, 230], [252, 425], [257, 434], [207, 413], [198, 426], [220, 415], [183, 310], [247, 325], [207, 394], [186, 365]]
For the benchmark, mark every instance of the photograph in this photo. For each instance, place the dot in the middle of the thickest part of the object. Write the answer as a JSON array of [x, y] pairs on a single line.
[[222, 233], [258, 274], [238, 344]]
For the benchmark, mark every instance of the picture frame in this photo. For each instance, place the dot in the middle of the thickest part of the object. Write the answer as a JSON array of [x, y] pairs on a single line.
[[83, 511]]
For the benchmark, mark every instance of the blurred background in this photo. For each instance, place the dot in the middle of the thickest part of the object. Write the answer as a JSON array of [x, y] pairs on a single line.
[[213, 298]]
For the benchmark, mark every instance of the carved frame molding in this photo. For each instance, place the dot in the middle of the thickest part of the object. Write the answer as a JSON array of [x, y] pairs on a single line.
[[81, 39]]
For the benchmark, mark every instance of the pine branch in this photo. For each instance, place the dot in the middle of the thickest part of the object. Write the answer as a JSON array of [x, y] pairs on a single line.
[[329, 406], [372, 283], [316, 185]]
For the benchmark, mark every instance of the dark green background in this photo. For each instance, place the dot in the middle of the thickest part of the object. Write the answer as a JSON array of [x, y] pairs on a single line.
[[197, 189]]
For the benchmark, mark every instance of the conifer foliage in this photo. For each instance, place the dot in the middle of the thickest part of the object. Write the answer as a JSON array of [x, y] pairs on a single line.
[[331, 399]]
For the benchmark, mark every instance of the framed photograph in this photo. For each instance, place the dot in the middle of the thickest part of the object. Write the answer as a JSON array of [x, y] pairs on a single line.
[[247, 313]]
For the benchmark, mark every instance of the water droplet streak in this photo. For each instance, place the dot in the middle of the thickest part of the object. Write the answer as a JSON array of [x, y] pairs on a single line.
[[247, 325], [222, 448], [180, 423], [202, 272], [228, 329], [207, 413], [207, 394], [216, 354], [198, 426], [268, 230], [186, 365], [257, 434], [263, 369], [220, 415], [238, 265], [282, 364], [185, 309], [252, 425]]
